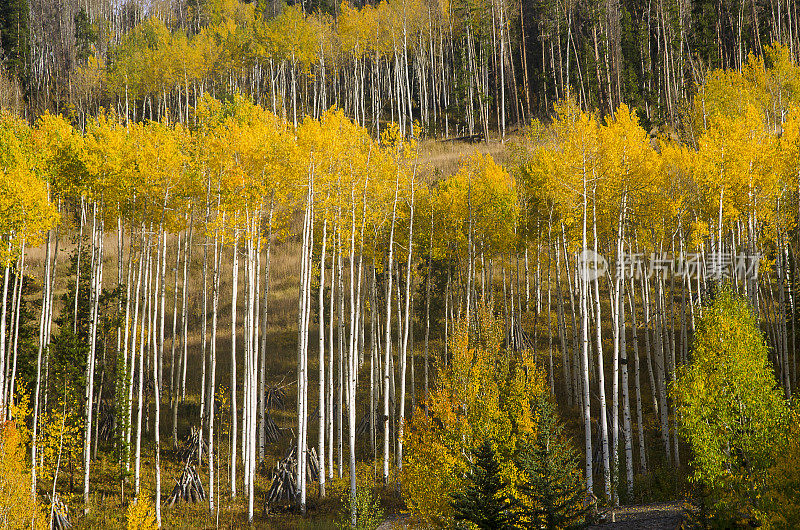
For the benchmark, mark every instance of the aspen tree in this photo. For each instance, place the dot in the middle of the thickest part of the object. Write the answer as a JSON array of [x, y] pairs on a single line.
[[352, 364], [637, 384], [322, 382], [187, 259], [388, 337], [134, 342], [172, 390], [303, 321], [406, 324], [330, 403], [218, 246], [147, 322], [96, 286], [603, 419], [234, 331], [262, 371]]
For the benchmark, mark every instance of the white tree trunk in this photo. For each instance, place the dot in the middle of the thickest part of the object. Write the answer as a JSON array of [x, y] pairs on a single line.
[[406, 326], [234, 331], [388, 338], [96, 279], [322, 400], [145, 324], [42, 325]]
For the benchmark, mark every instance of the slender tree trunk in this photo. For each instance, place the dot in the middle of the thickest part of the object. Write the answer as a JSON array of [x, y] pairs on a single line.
[[42, 324], [234, 331], [388, 338], [322, 401], [94, 297], [172, 391], [139, 410], [262, 371], [406, 326]]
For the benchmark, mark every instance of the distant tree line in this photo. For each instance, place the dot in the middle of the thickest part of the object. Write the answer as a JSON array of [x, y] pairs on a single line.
[[462, 67]]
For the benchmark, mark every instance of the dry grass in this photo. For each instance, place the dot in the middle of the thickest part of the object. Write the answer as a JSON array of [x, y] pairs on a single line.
[[441, 158]]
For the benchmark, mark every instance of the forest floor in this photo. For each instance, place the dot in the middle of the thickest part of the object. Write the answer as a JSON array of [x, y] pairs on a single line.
[[657, 516]]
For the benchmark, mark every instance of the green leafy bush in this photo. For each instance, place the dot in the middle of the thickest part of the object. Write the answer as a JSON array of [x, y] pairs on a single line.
[[731, 412]]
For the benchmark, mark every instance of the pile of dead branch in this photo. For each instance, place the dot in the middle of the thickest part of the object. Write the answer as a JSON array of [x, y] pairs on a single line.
[[275, 397], [108, 420], [187, 488], [363, 426], [60, 514], [272, 432], [192, 446], [283, 490]]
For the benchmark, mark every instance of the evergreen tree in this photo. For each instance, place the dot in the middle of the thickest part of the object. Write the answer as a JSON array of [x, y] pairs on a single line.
[[85, 36], [15, 36], [482, 501], [28, 332], [554, 494], [70, 345]]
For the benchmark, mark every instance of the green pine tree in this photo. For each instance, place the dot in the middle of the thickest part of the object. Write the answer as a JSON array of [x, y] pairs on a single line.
[[553, 490], [85, 36], [15, 37], [482, 501]]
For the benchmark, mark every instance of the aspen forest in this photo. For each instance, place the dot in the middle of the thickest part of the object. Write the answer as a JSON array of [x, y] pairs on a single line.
[[496, 264]]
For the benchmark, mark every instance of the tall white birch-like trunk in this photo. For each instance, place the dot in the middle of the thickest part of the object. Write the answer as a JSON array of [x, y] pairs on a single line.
[[262, 371], [636, 382], [218, 245], [172, 393], [626, 401], [145, 324], [96, 279], [388, 337], [42, 326], [158, 350], [204, 325], [406, 326], [15, 334], [352, 365], [134, 342], [304, 303], [340, 394], [157, 345], [3, 382], [332, 310], [252, 386], [584, 305], [322, 400], [234, 331], [184, 307], [603, 420]]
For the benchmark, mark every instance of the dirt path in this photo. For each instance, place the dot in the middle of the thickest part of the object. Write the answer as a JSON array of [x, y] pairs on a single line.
[[394, 522], [659, 516]]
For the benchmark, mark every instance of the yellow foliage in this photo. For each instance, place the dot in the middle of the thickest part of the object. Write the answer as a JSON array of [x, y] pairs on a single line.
[[25, 208], [783, 482], [141, 515], [485, 392], [18, 509], [481, 191], [770, 83], [59, 427]]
